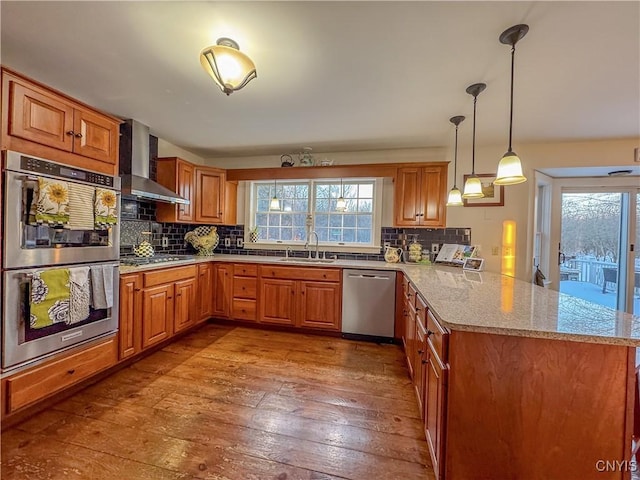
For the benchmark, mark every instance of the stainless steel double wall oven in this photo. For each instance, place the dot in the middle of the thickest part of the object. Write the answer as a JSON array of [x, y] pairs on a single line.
[[32, 251]]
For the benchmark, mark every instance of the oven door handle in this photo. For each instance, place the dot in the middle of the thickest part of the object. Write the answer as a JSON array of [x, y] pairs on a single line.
[[25, 295]]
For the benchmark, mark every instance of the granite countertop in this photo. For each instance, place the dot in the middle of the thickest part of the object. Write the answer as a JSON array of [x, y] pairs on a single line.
[[482, 301]]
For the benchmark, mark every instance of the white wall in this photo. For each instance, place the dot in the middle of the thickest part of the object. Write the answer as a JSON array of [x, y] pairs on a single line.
[[485, 222], [166, 149]]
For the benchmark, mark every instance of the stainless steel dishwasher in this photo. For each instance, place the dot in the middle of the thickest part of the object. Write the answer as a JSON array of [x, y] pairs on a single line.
[[368, 304]]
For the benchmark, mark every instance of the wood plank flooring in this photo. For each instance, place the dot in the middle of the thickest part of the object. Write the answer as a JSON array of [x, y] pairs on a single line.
[[234, 403]]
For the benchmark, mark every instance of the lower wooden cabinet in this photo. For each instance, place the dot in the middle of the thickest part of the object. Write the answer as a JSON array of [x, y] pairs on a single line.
[[37, 383], [157, 314], [278, 301], [130, 315], [223, 289], [185, 305], [286, 298], [244, 305], [435, 400], [205, 291]]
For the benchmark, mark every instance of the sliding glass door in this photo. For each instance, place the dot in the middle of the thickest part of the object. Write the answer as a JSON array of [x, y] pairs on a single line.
[[597, 255]]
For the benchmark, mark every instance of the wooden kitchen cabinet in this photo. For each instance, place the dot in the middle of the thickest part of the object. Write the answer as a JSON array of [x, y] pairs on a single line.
[[168, 303], [278, 301], [178, 176], [410, 329], [37, 383], [420, 196], [320, 305], [37, 119], [223, 289], [245, 292], [301, 297], [158, 312], [205, 292], [435, 402], [130, 315], [185, 304]]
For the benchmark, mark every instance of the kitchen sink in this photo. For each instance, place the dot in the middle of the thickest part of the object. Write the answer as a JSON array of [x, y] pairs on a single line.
[[307, 260]]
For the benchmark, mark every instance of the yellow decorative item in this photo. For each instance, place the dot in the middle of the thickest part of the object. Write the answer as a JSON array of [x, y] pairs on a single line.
[[415, 250], [105, 207], [392, 255], [203, 239], [50, 296], [52, 205]]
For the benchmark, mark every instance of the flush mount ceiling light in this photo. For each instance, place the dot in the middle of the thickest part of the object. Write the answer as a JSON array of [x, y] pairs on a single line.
[[473, 187], [227, 65], [455, 197], [510, 167], [341, 203], [275, 203]]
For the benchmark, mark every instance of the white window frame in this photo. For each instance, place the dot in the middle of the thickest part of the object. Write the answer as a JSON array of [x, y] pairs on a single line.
[[376, 229]]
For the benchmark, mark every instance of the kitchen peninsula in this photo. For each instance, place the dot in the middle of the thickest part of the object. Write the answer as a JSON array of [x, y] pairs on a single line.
[[516, 380]]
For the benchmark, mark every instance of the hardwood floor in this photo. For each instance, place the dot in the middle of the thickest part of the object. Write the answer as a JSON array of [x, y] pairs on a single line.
[[234, 403]]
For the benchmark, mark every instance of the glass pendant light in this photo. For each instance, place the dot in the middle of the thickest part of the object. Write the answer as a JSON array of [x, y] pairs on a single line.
[[473, 187], [341, 203], [455, 197], [510, 167], [275, 203]]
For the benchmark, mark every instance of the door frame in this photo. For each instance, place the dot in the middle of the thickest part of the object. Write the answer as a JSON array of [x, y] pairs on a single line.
[[587, 185]]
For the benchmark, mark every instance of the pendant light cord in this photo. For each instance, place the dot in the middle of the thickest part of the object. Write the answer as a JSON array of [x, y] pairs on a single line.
[[473, 144], [455, 160], [513, 61]]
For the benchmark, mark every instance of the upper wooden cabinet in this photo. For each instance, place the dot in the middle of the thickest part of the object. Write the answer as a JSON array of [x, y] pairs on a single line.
[[213, 198], [42, 122], [178, 176], [420, 196]]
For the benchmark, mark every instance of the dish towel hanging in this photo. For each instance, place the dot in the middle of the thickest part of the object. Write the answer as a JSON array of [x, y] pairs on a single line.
[[79, 294], [52, 205], [102, 286], [105, 208], [50, 296], [81, 199]]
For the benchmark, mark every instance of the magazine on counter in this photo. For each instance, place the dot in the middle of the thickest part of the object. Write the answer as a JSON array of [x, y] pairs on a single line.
[[454, 253]]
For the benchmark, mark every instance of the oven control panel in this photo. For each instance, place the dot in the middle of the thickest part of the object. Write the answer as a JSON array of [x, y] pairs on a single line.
[[54, 169]]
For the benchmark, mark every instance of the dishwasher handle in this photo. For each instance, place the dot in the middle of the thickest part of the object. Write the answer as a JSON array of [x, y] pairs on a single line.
[[365, 275]]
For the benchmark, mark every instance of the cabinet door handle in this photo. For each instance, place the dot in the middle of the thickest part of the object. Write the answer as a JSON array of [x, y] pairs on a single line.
[[169, 298], [424, 361], [78, 135], [429, 333], [417, 214], [418, 309], [137, 289], [420, 352], [179, 295], [70, 133], [71, 371]]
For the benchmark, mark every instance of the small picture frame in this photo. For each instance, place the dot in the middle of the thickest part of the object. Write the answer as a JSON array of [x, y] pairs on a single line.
[[493, 194], [473, 264]]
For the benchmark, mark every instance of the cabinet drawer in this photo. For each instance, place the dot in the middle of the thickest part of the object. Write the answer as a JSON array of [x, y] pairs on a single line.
[[245, 287], [57, 375], [438, 337], [245, 270], [311, 273], [244, 309], [168, 275]]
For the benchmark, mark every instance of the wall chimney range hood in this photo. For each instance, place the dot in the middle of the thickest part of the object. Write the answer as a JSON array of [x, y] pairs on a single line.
[[134, 166]]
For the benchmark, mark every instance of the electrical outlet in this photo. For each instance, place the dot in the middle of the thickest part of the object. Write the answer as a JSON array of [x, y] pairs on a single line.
[[239, 242], [435, 247], [227, 242], [495, 250], [387, 244], [165, 242]]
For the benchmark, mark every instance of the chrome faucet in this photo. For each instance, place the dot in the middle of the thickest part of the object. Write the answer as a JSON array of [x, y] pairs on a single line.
[[288, 251], [306, 245]]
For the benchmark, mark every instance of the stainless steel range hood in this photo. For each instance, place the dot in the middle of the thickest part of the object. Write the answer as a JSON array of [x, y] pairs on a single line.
[[134, 164]]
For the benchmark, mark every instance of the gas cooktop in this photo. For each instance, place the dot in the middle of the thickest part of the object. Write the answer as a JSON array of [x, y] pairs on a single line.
[[134, 261]]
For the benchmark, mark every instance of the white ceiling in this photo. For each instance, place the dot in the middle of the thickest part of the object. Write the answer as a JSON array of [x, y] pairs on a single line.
[[339, 76]]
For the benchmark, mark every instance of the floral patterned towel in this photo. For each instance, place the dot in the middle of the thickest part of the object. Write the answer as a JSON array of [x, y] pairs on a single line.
[[52, 205], [50, 296], [106, 207]]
